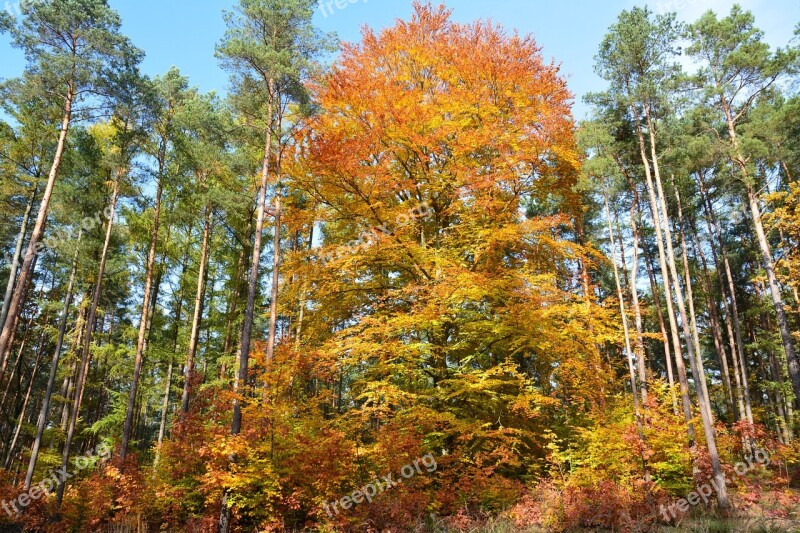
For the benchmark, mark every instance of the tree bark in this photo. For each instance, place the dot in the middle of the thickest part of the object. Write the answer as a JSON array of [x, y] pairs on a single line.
[[665, 275], [143, 325], [766, 255], [62, 328], [26, 272], [695, 361], [12, 275], [731, 309], [252, 283], [83, 366], [276, 264], [199, 297], [23, 410]]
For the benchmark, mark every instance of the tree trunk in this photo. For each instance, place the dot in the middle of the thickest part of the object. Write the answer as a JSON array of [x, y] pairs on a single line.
[[252, 289], [784, 422], [695, 361], [654, 212], [26, 272], [12, 275], [14, 321], [17, 363], [23, 410], [83, 366], [62, 328], [252, 283], [188, 371], [766, 257], [623, 314], [731, 309], [162, 429], [227, 347], [661, 324], [775, 292], [143, 326], [690, 296], [301, 312], [716, 330], [637, 312], [273, 304]]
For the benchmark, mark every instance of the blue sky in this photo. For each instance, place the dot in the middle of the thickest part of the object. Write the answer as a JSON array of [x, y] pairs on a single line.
[[183, 32]]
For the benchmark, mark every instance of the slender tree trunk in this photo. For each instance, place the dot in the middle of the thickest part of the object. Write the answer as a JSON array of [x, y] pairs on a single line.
[[695, 361], [198, 312], [18, 391], [676, 343], [68, 389], [162, 428], [62, 328], [83, 366], [23, 410], [227, 348], [14, 321], [716, 330], [26, 272], [12, 275], [15, 369], [784, 422], [143, 326], [301, 312], [777, 299], [273, 304], [731, 309], [662, 325], [693, 319], [252, 283], [623, 314], [766, 257], [68, 385], [690, 296], [637, 312], [252, 289]]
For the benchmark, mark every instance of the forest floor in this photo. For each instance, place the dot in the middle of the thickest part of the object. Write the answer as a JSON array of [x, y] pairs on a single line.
[[693, 525]]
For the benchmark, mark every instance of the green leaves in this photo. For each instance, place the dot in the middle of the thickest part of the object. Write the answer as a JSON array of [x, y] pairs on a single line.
[[72, 46]]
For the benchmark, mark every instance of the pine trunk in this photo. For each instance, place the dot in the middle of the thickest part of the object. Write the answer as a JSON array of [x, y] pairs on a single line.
[[26, 271], [144, 321], [83, 366], [62, 328], [188, 371], [14, 267]]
